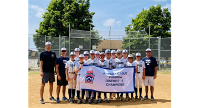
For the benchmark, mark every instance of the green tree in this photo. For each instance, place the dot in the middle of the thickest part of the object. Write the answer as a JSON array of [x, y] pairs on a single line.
[[56, 20], [160, 24]]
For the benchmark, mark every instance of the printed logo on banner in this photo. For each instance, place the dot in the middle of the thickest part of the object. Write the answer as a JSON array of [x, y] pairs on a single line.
[[89, 76]]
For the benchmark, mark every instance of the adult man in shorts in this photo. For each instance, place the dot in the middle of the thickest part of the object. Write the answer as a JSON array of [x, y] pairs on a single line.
[[61, 75], [150, 73], [47, 64]]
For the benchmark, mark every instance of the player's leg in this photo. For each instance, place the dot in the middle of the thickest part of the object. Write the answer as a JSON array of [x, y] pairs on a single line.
[[146, 80], [82, 96], [105, 98], [70, 89], [64, 84], [51, 80], [89, 97], [58, 91], [44, 79], [151, 83], [73, 89], [94, 98], [118, 97], [136, 85], [99, 97], [78, 89], [140, 86]]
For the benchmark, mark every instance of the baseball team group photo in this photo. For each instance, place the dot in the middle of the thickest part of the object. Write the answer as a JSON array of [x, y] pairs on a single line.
[[98, 53]]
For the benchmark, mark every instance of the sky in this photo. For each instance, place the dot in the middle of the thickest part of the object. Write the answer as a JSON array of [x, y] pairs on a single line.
[[114, 13]]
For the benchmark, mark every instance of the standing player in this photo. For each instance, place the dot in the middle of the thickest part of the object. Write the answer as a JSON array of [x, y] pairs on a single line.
[[92, 61], [72, 67], [47, 64], [150, 73], [138, 75], [77, 51], [105, 64], [130, 63], [120, 62], [61, 75], [81, 57], [97, 54], [113, 52], [125, 53], [111, 62], [86, 55]]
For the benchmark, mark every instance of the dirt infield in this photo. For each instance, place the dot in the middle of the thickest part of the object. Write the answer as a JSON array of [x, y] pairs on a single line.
[[162, 95]]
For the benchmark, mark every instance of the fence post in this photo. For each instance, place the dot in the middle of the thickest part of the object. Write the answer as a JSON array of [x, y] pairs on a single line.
[[149, 34], [90, 38], [69, 40], [110, 38], [129, 40], [59, 45], [45, 42], [159, 47]]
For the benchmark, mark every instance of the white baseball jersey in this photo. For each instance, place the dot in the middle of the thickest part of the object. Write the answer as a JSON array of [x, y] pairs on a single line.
[[126, 59], [140, 65], [72, 66], [104, 64], [77, 58], [95, 62], [131, 64], [120, 62], [111, 62]]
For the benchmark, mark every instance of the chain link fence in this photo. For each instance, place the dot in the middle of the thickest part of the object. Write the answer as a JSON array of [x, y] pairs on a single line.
[[133, 41]]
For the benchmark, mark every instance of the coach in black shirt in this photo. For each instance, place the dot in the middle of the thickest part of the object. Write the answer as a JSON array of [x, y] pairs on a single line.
[[47, 64]]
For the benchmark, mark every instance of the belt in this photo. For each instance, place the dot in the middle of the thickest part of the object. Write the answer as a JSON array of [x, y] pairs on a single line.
[[72, 72], [138, 72]]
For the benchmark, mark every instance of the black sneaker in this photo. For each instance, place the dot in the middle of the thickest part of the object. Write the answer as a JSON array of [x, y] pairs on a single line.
[[52, 98], [100, 100], [42, 101], [70, 100], [146, 97], [106, 100], [79, 101], [136, 97], [89, 101], [83, 101], [95, 101], [74, 101]]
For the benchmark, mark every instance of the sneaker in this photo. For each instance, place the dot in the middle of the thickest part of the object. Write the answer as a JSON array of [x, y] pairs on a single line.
[[95, 101], [52, 98], [79, 101], [127, 98], [136, 97], [89, 101], [152, 98], [70, 100], [57, 100], [83, 101], [74, 101], [133, 99], [106, 100], [64, 98], [123, 99], [146, 97], [100, 100], [118, 98], [42, 101], [141, 98]]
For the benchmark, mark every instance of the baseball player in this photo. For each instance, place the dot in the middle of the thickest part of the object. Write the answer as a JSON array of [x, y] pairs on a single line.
[[72, 67], [120, 62], [86, 55], [113, 52], [92, 61], [112, 64], [77, 51], [130, 63], [138, 75], [81, 57], [125, 53], [97, 54], [105, 64]]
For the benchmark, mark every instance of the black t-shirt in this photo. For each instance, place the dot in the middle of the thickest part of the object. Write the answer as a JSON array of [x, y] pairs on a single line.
[[48, 59], [61, 61], [150, 64]]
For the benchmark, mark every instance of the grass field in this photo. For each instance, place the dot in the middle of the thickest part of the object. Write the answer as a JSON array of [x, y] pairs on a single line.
[[162, 95]]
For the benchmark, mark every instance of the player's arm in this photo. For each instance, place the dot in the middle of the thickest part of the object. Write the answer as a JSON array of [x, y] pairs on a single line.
[[55, 63], [79, 67], [66, 71], [136, 68], [41, 68], [143, 65]]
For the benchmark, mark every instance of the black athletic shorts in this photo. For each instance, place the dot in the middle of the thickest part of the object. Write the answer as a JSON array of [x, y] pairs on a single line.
[[48, 77], [62, 81]]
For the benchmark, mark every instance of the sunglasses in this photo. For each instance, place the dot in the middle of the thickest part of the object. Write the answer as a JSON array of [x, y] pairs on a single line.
[[148, 51], [63, 51], [85, 54], [48, 45]]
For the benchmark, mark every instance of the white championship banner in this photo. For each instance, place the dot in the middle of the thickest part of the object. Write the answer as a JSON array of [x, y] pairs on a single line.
[[121, 80]]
